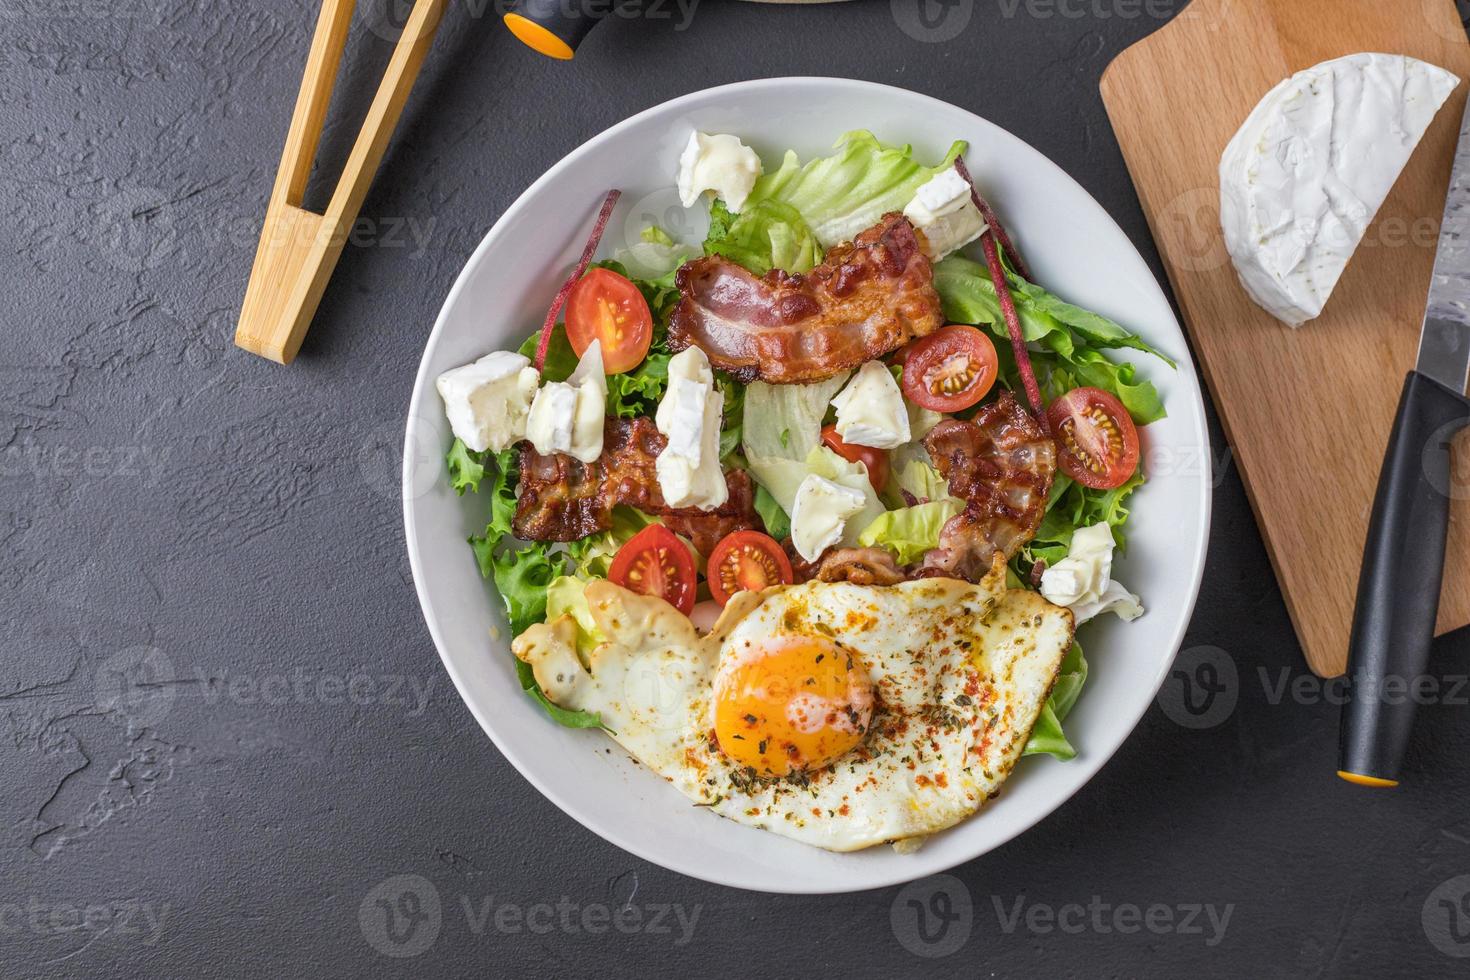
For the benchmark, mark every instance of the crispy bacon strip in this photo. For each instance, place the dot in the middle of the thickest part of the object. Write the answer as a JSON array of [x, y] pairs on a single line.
[[867, 298], [1001, 463], [860, 566], [562, 499]]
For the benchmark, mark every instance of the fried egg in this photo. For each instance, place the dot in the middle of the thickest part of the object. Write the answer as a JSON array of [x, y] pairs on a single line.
[[839, 715]]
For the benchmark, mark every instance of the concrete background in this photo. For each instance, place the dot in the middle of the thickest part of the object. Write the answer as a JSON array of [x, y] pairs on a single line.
[[225, 737]]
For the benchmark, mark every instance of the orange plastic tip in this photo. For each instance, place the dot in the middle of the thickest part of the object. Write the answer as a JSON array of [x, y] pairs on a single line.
[[1362, 780], [538, 38]]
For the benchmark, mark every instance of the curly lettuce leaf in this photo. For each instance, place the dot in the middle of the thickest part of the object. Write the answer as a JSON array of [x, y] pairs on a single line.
[[466, 468], [765, 236], [523, 574], [1071, 506]]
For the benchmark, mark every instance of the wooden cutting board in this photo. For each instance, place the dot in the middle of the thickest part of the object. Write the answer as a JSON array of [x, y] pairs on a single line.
[[1307, 412]]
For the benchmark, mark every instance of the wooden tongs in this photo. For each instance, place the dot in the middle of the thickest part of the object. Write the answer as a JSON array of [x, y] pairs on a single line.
[[299, 248]]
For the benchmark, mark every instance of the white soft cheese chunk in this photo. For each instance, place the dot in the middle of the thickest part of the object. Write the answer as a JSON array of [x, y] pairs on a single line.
[[871, 410], [567, 416], [819, 514], [487, 402], [688, 468], [944, 211], [719, 163], [1302, 179], [1083, 581]]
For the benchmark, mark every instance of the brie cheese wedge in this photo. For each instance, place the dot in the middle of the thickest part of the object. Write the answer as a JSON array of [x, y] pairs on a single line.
[[1302, 179]]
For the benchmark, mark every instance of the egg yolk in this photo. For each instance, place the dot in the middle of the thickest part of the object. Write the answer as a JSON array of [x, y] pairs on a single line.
[[791, 705]]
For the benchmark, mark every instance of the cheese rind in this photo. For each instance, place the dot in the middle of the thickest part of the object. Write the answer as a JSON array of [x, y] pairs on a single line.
[[567, 416], [688, 469], [945, 212], [488, 401], [820, 514], [719, 163], [871, 410], [1303, 177], [1083, 581]]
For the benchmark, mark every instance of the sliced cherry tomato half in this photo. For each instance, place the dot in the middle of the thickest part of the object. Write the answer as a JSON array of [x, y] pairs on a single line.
[[950, 369], [1097, 440], [876, 460], [746, 561], [655, 562], [608, 307]]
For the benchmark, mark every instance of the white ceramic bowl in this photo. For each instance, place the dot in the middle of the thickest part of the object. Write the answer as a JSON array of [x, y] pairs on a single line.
[[1074, 248]]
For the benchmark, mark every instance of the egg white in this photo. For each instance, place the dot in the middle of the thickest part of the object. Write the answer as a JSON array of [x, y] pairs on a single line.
[[960, 673]]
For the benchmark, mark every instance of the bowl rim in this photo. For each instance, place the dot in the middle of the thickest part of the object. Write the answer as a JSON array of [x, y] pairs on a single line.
[[1091, 762]]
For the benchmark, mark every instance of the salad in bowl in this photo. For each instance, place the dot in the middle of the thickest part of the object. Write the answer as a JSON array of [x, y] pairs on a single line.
[[809, 515]]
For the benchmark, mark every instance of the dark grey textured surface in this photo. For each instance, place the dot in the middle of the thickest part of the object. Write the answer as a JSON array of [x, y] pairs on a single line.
[[224, 725]]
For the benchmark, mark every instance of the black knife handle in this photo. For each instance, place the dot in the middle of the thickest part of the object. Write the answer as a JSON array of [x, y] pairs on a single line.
[[1398, 588]]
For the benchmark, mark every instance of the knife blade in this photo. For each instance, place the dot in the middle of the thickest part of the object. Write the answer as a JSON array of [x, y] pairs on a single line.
[[1444, 340], [1403, 555]]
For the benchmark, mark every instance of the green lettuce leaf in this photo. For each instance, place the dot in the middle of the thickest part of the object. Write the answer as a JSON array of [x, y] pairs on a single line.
[[732, 429], [1047, 737], [523, 574], [785, 421], [561, 360], [562, 716], [765, 236], [566, 596], [1070, 506], [778, 525], [840, 195], [593, 556], [466, 468], [1070, 340], [910, 531], [637, 392]]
